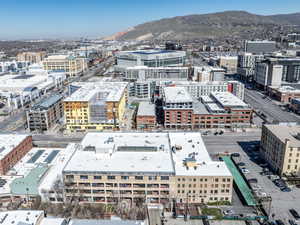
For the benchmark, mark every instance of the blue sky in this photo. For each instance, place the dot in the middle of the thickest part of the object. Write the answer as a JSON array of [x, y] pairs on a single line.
[[96, 18]]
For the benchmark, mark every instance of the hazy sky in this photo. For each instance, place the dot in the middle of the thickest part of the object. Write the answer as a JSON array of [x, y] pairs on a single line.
[[95, 18]]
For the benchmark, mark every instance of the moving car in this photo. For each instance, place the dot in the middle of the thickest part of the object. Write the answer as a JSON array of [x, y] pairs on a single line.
[[295, 214]]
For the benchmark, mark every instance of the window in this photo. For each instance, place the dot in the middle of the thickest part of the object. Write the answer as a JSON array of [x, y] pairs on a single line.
[[111, 177], [125, 177], [69, 177], [139, 177], [97, 177], [84, 177], [164, 177], [152, 178]]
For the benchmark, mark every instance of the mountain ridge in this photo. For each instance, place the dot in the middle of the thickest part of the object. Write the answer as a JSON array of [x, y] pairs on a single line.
[[239, 24]]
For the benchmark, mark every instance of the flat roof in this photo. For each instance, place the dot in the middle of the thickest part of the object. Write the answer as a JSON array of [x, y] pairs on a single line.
[[146, 109], [105, 222], [176, 95], [26, 217], [192, 144], [213, 107], [283, 132], [112, 91], [227, 99], [199, 108], [9, 141], [47, 102], [146, 153]]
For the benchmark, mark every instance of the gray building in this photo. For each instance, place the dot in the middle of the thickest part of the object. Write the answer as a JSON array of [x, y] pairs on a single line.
[[45, 114], [260, 47]]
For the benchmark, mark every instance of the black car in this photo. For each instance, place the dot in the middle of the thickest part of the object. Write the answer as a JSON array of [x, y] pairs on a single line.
[[236, 154], [241, 164], [295, 214], [252, 180], [292, 222], [279, 222]]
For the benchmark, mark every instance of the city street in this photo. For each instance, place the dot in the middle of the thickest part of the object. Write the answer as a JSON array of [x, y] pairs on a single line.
[[265, 105]]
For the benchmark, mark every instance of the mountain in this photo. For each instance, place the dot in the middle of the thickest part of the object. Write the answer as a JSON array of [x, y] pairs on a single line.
[[231, 24]]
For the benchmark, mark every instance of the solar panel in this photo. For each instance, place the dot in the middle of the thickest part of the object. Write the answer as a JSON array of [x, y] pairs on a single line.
[[36, 156], [51, 156]]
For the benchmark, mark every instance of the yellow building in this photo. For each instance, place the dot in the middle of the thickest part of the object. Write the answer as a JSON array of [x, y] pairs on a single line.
[[71, 65], [153, 167], [95, 106]]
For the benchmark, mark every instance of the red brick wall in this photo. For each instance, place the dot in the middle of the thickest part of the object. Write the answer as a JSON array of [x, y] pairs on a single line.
[[15, 155]]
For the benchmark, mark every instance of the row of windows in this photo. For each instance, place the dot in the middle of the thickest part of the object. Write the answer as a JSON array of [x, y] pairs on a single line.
[[204, 179], [85, 177]]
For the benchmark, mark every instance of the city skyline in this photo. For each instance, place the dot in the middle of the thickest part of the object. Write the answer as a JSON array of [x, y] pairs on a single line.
[[63, 19]]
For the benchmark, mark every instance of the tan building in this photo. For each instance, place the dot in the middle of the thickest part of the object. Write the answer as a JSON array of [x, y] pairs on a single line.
[[95, 106], [229, 63], [71, 65], [33, 57], [280, 147], [152, 167]]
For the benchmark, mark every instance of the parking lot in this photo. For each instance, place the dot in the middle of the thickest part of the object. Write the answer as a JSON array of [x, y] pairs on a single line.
[[281, 201]]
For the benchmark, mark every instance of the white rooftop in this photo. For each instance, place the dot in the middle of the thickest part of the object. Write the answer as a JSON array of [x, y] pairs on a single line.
[[146, 109], [226, 99], [24, 217], [8, 142], [87, 90], [144, 153], [176, 95]]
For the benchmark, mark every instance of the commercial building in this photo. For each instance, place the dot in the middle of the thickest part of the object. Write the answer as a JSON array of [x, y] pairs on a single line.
[[45, 114], [280, 147], [32, 57], [246, 65], [284, 93], [218, 110], [295, 105], [229, 63], [12, 148], [150, 58], [20, 89], [143, 73], [150, 167], [69, 64], [146, 117], [291, 69], [208, 73], [260, 47], [268, 73], [95, 106]]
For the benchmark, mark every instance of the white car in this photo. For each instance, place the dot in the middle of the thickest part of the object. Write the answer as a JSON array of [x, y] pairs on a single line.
[[244, 170]]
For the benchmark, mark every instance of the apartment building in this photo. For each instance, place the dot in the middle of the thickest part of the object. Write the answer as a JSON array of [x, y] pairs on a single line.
[[246, 65], [178, 108], [260, 46], [229, 63], [280, 147], [71, 65], [95, 106], [45, 114], [218, 110], [268, 73], [146, 117], [208, 73], [284, 93], [12, 149], [33, 57], [150, 167]]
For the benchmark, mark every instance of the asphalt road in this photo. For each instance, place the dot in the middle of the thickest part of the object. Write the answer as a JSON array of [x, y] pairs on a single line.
[[265, 105]]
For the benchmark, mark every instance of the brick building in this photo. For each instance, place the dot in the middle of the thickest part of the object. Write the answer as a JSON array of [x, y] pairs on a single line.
[[146, 118], [12, 148]]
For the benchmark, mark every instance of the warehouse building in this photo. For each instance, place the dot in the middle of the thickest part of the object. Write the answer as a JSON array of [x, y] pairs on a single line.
[[152, 167]]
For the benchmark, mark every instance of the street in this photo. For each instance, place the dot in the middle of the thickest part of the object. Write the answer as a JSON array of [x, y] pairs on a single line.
[[272, 111]]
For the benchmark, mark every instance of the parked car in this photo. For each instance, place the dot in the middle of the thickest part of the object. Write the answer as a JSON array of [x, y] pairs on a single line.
[[279, 222], [252, 180], [244, 170], [228, 212], [295, 214], [241, 164], [235, 154], [285, 189], [292, 222]]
